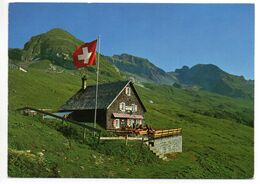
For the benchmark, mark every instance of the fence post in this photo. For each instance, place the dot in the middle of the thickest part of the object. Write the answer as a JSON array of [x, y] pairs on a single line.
[[84, 134], [126, 139], [99, 135]]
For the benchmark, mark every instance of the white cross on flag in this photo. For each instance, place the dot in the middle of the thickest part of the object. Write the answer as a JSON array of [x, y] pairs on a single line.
[[85, 54]]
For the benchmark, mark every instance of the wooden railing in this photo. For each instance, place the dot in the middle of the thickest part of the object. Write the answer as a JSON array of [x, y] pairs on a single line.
[[165, 133], [159, 133]]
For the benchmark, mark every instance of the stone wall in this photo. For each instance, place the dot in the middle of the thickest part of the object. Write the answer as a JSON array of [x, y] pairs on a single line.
[[168, 144]]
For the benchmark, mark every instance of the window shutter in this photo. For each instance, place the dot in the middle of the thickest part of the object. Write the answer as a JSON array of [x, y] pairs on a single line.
[[128, 91], [117, 124], [114, 123], [133, 107], [122, 106]]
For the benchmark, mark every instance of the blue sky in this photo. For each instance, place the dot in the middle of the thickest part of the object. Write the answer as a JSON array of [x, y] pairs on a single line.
[[169, 35]]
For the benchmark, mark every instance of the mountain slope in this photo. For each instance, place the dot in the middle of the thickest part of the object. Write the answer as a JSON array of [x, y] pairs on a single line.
[[216, 143], [213, 79], [218, 133], [58, 45], [140, 69], [54, 49], [55, 45]]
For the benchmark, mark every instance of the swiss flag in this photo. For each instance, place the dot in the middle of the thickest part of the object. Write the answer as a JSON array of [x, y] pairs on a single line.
[[85, 54]]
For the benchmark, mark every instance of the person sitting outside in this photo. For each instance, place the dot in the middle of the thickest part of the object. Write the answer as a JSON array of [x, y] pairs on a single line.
[[140, 126], [134, 125]]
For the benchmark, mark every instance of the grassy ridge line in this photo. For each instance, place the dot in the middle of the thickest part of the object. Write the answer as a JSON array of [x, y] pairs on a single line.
[[213, 147]]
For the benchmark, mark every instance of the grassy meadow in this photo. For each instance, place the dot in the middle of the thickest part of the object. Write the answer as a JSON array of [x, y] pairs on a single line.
[[218, 133]]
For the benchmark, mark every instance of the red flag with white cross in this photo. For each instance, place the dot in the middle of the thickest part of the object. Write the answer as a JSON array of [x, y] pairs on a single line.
[[85, 55]]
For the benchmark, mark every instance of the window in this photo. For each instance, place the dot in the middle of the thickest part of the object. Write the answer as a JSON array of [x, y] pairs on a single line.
[[134, 108], [117, 123], [128, 91], [122, 106]]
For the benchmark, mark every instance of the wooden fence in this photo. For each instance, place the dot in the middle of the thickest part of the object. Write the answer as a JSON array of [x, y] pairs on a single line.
[[150, 133]]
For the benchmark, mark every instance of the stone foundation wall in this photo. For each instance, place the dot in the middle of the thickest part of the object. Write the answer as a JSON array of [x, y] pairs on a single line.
[[168, 144]]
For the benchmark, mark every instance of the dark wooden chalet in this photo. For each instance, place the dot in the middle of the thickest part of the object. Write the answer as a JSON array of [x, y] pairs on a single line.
[[118, 105]]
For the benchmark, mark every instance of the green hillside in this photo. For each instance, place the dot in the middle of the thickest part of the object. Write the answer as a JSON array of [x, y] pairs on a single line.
[[216, 143], [218, 131]]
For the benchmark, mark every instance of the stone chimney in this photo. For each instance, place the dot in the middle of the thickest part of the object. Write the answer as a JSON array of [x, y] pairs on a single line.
[[84, 82]]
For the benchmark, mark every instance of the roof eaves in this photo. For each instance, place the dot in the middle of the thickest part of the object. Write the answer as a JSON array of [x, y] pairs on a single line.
[[118, 95], [79, 91], [138, 97]]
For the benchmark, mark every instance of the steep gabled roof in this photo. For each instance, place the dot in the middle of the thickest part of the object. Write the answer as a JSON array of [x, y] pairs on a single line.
[[84, 99]]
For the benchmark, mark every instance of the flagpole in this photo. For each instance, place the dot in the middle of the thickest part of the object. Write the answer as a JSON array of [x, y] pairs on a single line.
[[95, 116]]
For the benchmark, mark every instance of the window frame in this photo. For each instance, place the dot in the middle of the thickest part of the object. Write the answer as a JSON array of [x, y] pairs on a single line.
[[134, 108], [128, 91], [122, 106]]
